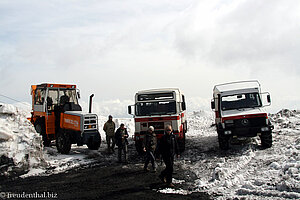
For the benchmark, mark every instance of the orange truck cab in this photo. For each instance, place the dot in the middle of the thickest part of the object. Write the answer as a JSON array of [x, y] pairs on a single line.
[[56, 115]]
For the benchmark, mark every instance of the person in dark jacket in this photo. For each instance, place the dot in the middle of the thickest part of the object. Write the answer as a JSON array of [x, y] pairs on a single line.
[[121, 141], [149, 146], [167, 148]]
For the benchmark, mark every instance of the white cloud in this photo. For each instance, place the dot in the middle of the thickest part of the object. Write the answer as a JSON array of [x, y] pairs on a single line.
[[115, 48]]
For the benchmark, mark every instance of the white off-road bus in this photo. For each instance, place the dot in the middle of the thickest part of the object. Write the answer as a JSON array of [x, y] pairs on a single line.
[[239, 112], [159, 108]]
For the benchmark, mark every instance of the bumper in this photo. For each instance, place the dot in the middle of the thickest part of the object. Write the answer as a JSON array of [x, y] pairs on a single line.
[[247, 131]]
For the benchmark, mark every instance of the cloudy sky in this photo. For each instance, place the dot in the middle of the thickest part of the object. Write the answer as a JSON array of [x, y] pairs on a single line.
[[115, 48]]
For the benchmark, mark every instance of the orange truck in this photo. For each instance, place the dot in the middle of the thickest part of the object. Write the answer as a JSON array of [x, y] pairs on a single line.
[[56, 115]]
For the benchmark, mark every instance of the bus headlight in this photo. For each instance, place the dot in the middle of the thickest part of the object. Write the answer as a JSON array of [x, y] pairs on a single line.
[[227, 132], [265, 129]]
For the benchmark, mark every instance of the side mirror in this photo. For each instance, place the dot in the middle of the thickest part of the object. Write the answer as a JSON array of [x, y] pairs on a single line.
[[266, 99], [78, 94], [129, 110], [269, 98], [212, 105], [183, 106]]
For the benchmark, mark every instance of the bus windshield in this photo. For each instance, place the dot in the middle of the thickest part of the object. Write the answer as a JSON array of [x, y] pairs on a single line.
[[155, 108]]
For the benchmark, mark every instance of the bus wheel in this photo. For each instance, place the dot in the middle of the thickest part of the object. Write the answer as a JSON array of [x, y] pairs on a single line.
[[139, 147], [181, 144]]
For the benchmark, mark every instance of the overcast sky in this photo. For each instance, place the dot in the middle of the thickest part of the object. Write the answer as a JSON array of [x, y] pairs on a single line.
[[115, 48]]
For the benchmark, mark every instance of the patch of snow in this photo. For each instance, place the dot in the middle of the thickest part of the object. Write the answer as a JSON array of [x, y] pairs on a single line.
[[175, 181], [174, 191]]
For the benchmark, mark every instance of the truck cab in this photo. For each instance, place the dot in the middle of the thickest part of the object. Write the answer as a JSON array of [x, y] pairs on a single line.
[[159, 108], [57, 115], [239, 112]]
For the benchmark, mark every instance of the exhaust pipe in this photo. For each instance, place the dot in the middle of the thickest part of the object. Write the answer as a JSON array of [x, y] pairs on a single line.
[[90, 106]]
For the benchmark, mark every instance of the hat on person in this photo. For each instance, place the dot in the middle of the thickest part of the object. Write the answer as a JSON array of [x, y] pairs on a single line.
[[151, 128], [122, 124]]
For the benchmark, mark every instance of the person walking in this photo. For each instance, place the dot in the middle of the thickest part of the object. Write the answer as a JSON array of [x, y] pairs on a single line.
[[109, 129], [121, 141], [149, 146], [167, 148]]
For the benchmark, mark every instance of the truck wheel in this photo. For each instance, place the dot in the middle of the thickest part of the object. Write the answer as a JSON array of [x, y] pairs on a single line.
[[266, 139], [93, 145], [63, 142], [223, 142], [181, 144], [41, 130]]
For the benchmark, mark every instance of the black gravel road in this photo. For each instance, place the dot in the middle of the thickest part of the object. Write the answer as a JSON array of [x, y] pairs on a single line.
[[101, 181]]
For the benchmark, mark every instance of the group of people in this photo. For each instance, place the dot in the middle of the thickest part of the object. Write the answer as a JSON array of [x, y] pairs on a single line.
[[166, 148], [118, 138]]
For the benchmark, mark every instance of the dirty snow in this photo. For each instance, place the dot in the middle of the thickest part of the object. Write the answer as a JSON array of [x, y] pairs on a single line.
[[20, 145], [244, 171]]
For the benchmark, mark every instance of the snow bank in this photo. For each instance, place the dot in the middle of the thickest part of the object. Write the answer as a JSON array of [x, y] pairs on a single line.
[[246, 170], [20, 145]]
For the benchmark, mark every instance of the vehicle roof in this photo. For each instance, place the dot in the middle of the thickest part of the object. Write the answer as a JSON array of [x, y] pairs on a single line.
[[54, 85], [239, 85], [160, 90]]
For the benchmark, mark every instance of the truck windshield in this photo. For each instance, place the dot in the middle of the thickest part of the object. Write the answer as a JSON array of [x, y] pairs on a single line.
[[155, 108], [70, 94], [237, 101]]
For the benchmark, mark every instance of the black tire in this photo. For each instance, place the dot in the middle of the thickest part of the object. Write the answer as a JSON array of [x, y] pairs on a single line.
[[185, 127], [266, 139], [92, 145], [139, 147], [40, 128], [223, 141], [181, 144], [63, 142]]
